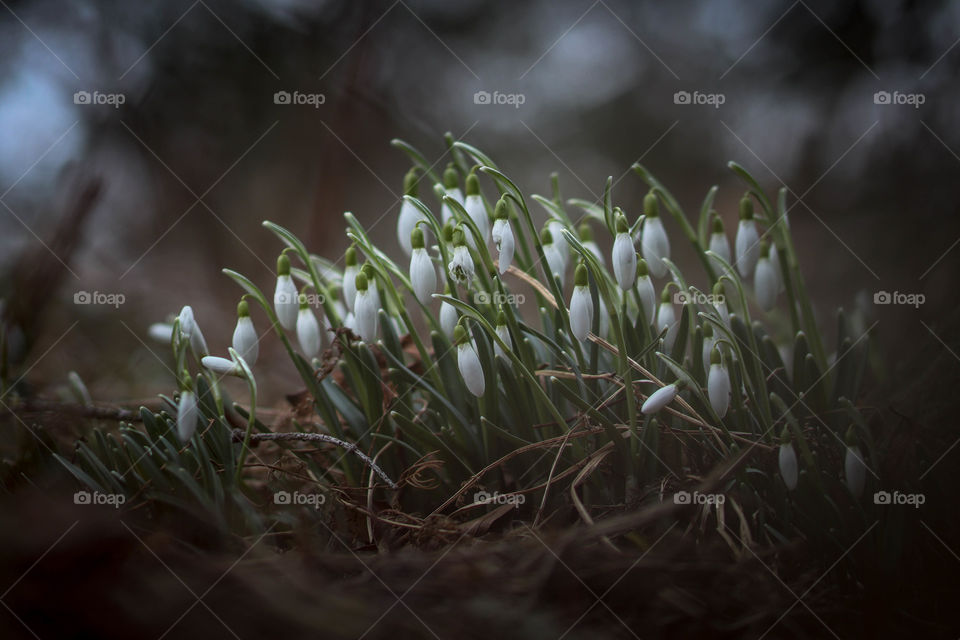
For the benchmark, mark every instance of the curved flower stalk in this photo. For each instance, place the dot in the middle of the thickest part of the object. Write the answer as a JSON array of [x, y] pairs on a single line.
[[187, 412], [350, 272], [503, 235], [720, 245], [748, 241], [586, 239], [366, 308], [556, 264], [451, 188], [469, 363], [191, 330], [473, 205], [285, 295], [624, 258], [245, 339], [646, 292], [423, 275], [660, 398], [787, 460], [766, 283], [461, 267], [409, 214], [718, 384], [654, 242], [581, 305], [308, 330]]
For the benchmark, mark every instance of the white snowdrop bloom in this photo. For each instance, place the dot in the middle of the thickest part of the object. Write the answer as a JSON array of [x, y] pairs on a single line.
[[449, 316], [766, 284], [308, 330], [720, 303], [659, 399], [648, 295], [624, 258], [423, 275], [461, 266], [654, 242], [586, 239], [349, 322], [581, 305], [365, 309], [503, 332], [187, 414], [748, 240], [190, 329], [285, 295], [720, 245], [718, 384], [450, 188], [350, 272], [161, 332], [223, 366], [410, 215], [788, 465], [708, 343], [855, 470], [556, 265], [667, 319], [503, 235], [556, 230], [473, 204], [469, 363], [245, 340], [775, 263]]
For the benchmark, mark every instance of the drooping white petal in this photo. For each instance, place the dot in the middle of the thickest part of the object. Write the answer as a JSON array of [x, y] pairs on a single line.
[[666, 319], [655, 246], [445, 212], [504, 333], [556, 232], [478, 213], [187, 415], [423, 275], [748, 247], [505, 243], [648, 297], [449, 316], [708, 343], [461, 266], [285, 302], [720, 245], [718, 389], [470, 369], [624, 260], [659, 399], [788, 465], [190, 328], [765, 284], [406, 221], [721, 306], [350, 284], [365, 318], [308, 332], [223, 366], [775, 263], [161, 332], [245, 341], [855, 470], [555, 263], [581, 312]]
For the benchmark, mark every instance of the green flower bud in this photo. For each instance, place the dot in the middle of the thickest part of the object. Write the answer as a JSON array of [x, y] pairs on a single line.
[[411, 182], [361, 281], [283, 265], [746, 208], [585, 232], [473, 185], [580, 275], [502, 210], [243, 309], [416, 238], [651, 205], [351, 257], [450, 179]]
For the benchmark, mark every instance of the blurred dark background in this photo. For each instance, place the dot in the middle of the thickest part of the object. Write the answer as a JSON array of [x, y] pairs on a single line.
[[161, 172]]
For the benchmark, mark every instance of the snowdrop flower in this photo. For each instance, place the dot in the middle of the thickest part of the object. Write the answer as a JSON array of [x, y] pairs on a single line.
[[556, 265], [449, 317], [855, 469], [708, 343], [450, 188], [423, 275], [788, 465], [556, 230], [410, 215], [653, 241], [223, 366], [581, 305], [718, 384], [191, 330], [461, 266], [766, 284], [245, 341], [469, 363], [720, 303], [775, 263], [660, 398], [648, 295], [748, 248], [161, 332], [667, 319], [308, 330], [473, 204], [367, 270], [503, 235], [285, 295], [350, 272], [720, 245], [503, 333], [586, 239], [624, 258], [187, 413], [365, 309]]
